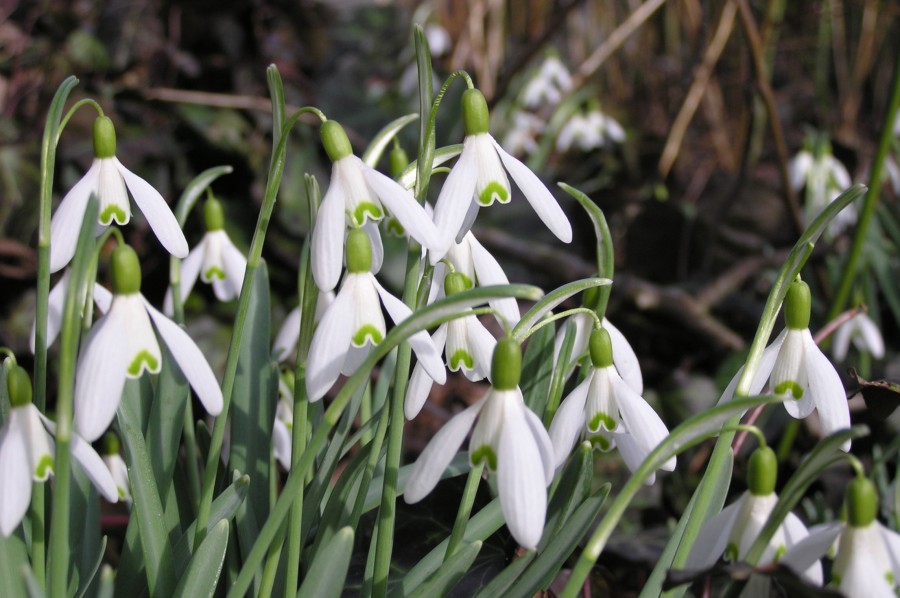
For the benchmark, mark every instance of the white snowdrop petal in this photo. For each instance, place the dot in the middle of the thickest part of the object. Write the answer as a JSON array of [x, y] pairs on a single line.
[[287, 336], [327, 252], [190, 360], [371, 229], [15, 474], [102, 298], [481, 345], [798, 168], [281, 441], [453, 201], [763, 370], [892, 545], [871, 336], [235, 266], [568, 422], [827, 391], [537, 194], [157, 212], [489, 272], [642, 423], [417, 391], [521, 479], [66, 222], [94, 468], [840, 340], [862, 563], [433, 461], [584, 326], [713, 538], [806, 553], [789, 376], [40, 453], [190, 270], [624, 358], [403, 206], [330, 342], [794, 533], [542, 441], [55, 304]]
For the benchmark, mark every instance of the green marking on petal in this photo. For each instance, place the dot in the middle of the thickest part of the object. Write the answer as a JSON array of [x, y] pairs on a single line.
[[364, 210], [462, 357], [493, 191], [601, 442], [790, 387], [602, 418], [113, 212], [394, 228], [889, 576], [835, 579], [484, 453], [780, 552], [731, 552], [143, 360], [121, 492], [214, 272], [44, 467], [367, 331]]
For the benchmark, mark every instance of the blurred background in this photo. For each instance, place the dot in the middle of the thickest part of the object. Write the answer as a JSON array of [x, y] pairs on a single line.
[[680, 119]]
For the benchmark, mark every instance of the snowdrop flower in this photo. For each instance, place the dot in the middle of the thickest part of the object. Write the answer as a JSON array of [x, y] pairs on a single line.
[[469, 347], [478, 268], [733, 531], [215, 260], [609, 412], [284, 424], [548, 85], [122, 345], [508, 438], [478, 179], [26, 454], [116, 466], [589, 131], [863, 332], [357, 194], [56, 304], [289, 333], [867, 562], [825, 178], [108, 179], [800, 372], [353, 324], [522, 136]]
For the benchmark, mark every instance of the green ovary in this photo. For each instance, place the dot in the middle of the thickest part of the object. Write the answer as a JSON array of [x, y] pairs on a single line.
[[367, 331], [490, 191], [484, 453], [366, 209], [789, 386], [44, 467], [113, 212], [213, 273], [143, 360], [461, 357], [602, 418]]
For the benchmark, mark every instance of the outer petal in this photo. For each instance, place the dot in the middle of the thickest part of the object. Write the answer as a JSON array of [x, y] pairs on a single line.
[[56, 303], [870, 336], [100, 375], [482, 344], [281, 440], [403, 206], [542, 441], [641, 422], [190, 360], [420, 382], [66, 221], [766, 363], [568, 422], [624, 358], [288, 335], [157, 212], [15, 475], [794, 533], [437, 455], [329, 345], [713, 537], [584, 325], [827, 390], [806, 553], [328, 237], [453, 201], [94, 467], [489, 272], [520, 478], [235, 266], [538, 196], [429, 355], [840, 342], [892, 544], [190, 270], [798, 168]]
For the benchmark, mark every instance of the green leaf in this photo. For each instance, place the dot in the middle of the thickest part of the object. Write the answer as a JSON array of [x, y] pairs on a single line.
[[381, 140], [85, 544], [572, 488], [425, 162], [276, 91], [202, 574], [328, 571], [13, 558], [450, 572], [88, 574], [550, 301], [408, 178], [537, 369]]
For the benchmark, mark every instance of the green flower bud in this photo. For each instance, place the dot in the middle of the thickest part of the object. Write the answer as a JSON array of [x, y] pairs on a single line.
[[601, 349], [335, 140], [126, 271], [111, 444], [456, 282], [862, 502], [359, 251], [797, 305], [762, 472], [18, 384], [506, 365], [213, 214], [104, 137], [398, 160], [475, 112]]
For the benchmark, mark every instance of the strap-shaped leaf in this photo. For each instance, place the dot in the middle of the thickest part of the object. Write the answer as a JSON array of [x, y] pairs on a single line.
[[381, 140], [203, 571], [450, 573], [328, 571]]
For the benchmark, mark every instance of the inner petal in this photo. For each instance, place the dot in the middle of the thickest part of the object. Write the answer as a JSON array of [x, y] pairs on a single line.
[[113, 197]]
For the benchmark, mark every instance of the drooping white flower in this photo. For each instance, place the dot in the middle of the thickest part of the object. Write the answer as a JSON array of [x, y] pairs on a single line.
[[798, 371], [283, 426], [353, 324], [521, 139], [27, 454], [108, 179], [609, 412], [589, 131], [56, 304], [509, 438], [122, 344], [358, 194], [289, 333], [548, 84], [864, 334], [469, 347], [116, 466], [479, 178], [824, 177]]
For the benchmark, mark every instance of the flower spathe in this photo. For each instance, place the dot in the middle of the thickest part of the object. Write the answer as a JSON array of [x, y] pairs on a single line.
[[122, 344], [511, 440], [479, 178], [107, 179]]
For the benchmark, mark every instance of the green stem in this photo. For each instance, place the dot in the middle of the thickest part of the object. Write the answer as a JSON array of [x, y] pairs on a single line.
[[271, 569], [465, 510], [191, 455], [870, 203]]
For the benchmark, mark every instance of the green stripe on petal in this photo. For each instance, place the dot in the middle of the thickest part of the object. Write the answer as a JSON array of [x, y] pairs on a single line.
[[214, 272], [492, 191], [395, 228], [486, 454], [113, 212], [790, 387], [366, 209], [461, 356], [367, 331], [602, 418], [600, 442], [44, 468], [143, 360]]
